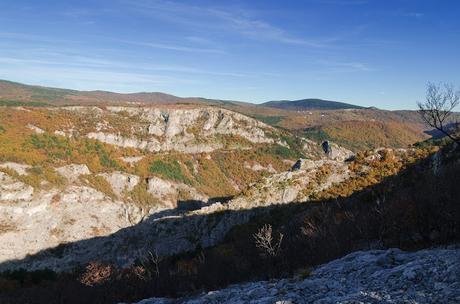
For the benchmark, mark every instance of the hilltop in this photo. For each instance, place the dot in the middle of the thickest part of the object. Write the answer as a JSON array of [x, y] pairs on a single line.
[[310, 104], [12, 93]]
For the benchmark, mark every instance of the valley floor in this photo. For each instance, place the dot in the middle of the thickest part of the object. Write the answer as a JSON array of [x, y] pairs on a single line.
[[377, 276]]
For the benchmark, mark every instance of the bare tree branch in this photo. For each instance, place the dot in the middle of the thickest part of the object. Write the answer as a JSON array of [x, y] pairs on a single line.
[[265, 241], [438, 108], [150, 260]]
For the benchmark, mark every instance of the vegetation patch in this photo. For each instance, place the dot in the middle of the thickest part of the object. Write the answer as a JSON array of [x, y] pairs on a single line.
[[269, 120], [140, 196], [283, 152], [16, 103], [86, 151], [37, 175], [99, 183], [169, 169], [364, 135]]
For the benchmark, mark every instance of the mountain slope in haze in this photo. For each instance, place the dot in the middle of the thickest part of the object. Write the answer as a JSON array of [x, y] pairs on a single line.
[[310, 104]]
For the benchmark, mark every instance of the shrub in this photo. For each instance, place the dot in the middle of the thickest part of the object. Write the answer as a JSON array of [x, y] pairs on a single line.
[[96, 273], [99, 183], [170, 170], [269, 120], [265, 241], [282, 151], [55, 147], [141, 196], [53, 177]]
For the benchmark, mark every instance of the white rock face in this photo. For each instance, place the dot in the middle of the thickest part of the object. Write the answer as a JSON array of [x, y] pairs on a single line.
[[132, 159], [151, 145], [182, 130], [304, 164], [73, 172], [14, 190], [169, 191], [121, 182], [20, 169], [379, 276], [35, 129], [60, 133], [340, 153], [259, 167], [57, 217]]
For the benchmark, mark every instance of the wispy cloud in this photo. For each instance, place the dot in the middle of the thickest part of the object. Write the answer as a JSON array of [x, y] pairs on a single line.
[[221, 19], [78, 13], [91, 79], [258, 29], [200, 40], [173, 47], [342, 2], [13, 36], [49, 59], [34, 37], [410, 14], [337, 66]]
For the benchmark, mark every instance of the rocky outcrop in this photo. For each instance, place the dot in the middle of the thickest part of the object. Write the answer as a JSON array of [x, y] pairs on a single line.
[[339, 153], [121, 182], [307, 178], [258, 167], [168, 191], [314, 150], [184, 130], [35, 129], [20, 169], [56, 217], [131, 159], [73, 172], [33, 220], [14, 190], [303, 164], [379, 276]]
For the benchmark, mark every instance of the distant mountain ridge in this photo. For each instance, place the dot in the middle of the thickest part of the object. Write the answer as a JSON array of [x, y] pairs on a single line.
[[309, 104], [18, 92]]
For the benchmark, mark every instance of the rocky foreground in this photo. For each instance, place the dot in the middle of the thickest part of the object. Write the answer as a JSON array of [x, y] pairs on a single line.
[[377, 276]]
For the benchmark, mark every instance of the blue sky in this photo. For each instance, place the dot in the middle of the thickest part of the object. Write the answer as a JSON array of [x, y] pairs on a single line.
[[371, 53]]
